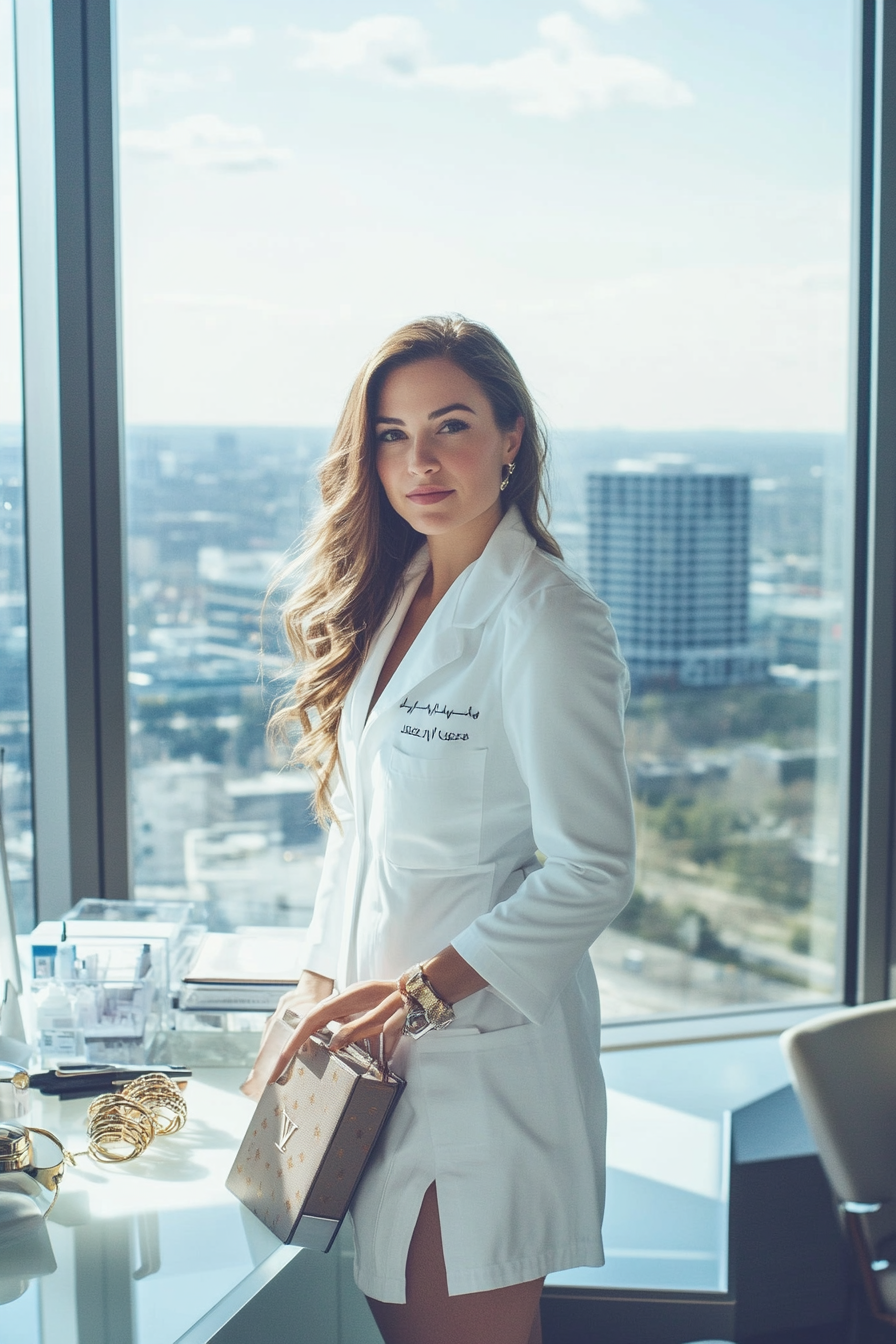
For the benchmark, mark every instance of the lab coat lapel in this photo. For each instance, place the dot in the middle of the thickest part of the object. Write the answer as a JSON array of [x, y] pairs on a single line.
[[490, 578], [438, 643], [365, 683], [466, 605]]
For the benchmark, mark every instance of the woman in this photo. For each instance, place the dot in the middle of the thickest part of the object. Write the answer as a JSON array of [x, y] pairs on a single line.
[[461, 701]]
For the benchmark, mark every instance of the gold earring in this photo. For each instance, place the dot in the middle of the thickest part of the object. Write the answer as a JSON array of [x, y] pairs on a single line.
[[510, 468]]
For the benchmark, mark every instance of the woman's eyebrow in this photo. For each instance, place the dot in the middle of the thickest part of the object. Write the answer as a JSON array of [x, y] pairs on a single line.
[[433, 415], [455, 406]]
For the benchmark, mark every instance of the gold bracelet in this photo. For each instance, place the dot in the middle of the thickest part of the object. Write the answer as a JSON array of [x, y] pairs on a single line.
[[426, 1011]]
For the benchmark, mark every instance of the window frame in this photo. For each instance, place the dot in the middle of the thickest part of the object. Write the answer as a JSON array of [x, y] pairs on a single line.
[[74, 450], [869, 927]]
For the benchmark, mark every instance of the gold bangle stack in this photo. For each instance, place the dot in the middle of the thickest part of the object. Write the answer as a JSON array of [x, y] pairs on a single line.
[[118, 1129], [122, 1125], [162, 1098]]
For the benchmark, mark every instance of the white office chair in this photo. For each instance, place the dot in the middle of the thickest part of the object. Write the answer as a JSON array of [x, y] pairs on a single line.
[[843, 1067]]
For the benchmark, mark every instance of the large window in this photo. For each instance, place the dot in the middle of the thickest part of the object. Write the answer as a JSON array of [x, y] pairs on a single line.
[[15, 771], [652, 205]]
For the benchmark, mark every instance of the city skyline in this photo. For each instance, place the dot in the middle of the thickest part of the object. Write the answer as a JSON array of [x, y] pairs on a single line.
[[724, 811], [727, 780]]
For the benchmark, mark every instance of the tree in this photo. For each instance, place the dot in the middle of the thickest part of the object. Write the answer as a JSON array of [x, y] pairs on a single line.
[[709, 827], [772, 871]]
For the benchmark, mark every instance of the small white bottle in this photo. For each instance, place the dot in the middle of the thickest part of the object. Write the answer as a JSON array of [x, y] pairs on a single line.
[[57, 1028]]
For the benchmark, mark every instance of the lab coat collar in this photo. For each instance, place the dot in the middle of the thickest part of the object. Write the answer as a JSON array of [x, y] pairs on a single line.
[[468, 603], [477, 591], [486, 582]]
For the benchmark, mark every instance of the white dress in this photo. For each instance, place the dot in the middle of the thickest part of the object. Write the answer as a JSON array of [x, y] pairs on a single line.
[[499, 735]]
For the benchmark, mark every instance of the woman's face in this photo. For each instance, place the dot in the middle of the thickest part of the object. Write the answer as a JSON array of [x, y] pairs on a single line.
[[440, 454]]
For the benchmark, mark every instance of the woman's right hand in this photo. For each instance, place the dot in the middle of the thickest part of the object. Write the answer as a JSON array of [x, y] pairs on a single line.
[[368, 1009], [309, 992]]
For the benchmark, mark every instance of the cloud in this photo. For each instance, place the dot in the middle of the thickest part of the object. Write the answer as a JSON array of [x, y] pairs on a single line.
[[205, 141], [388, 45], [173, 36], [564, 75], [614, 10], [751, 345], [330, 315], [239, 36], [213, 302], [138, 87]]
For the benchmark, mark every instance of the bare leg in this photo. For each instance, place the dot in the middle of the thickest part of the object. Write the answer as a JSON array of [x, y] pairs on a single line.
[[502, 1316]]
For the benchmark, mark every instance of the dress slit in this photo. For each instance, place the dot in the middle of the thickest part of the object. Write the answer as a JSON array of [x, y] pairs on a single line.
[[404, 1216]]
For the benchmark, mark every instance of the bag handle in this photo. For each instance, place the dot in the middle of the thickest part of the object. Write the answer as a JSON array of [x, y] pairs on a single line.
[[354, 1052]]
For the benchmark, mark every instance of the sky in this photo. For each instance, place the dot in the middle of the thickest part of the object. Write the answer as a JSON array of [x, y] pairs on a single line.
[[649, 200]]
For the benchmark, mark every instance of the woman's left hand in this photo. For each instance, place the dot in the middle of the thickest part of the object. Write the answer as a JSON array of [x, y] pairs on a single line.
[[370, 1008]]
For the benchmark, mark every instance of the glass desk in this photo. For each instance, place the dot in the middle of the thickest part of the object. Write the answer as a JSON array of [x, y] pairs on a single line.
[[157, 1250]]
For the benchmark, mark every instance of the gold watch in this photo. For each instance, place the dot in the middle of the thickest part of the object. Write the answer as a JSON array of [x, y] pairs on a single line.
[[426, 1011]]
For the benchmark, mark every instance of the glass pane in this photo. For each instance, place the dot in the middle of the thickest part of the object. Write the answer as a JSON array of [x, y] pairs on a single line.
[[662, 238], [15, 738]]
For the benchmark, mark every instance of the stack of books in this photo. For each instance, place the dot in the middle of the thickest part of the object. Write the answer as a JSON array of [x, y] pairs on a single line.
[[244, 972]]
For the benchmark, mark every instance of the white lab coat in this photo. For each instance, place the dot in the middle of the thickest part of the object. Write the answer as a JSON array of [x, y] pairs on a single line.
[[499, 734]]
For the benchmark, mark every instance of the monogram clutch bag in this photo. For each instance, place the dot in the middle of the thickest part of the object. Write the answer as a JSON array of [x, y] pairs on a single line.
[[310, 1139]]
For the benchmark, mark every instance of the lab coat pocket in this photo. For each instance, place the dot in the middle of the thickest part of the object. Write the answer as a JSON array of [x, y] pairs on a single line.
[[496, 1088], [434, 809]]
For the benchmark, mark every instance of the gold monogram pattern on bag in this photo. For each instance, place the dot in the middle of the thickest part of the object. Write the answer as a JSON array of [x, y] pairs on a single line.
[[308, 1140]]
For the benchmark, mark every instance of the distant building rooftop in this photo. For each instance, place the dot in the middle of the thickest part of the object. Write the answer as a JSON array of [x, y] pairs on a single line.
[[669, 464]]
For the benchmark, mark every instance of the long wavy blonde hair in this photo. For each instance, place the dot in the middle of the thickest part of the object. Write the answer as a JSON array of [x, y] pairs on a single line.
[[357, 547]]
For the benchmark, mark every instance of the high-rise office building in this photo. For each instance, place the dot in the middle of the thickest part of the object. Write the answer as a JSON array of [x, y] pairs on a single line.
[[669, 552]]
